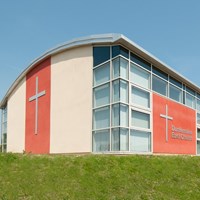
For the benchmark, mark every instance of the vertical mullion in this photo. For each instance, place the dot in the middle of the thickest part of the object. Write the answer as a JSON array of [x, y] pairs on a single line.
[[120, 102], [151, 107], [111, 77], [129, 101]]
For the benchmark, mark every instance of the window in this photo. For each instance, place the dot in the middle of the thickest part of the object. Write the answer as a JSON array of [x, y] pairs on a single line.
[[115, 87], [101, 141], [140, 76], [120, 68], [198, 104], [198, 147], [102, 74], [119, 50], [140, 97], [124, 91], [190, 100], [140, 141], [198, 133], [120, 91], [175, 82], [198, 118], [120, 115], [119, 139], [160, 73], [140, 61], [101, 54], [141, 120], [101, 118], [4, 127], [159, 86], [175, 93], [115, 115], [4, 138], [191, 91], [123, 115], [102, 95]]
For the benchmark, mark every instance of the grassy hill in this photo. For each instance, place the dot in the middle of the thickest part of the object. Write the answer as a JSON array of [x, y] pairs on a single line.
[[99, 177]]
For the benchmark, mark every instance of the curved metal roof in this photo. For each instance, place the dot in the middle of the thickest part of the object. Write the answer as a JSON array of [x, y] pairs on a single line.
[[112, 38]]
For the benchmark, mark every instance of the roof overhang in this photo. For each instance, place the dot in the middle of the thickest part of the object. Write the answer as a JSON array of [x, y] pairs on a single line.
[[103, 39]]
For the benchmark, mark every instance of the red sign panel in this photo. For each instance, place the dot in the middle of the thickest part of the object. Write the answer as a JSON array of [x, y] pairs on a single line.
[[37, 137], [174, 127]]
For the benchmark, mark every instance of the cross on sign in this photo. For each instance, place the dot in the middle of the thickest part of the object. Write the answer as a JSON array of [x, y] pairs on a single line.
[[36, 97], [166, 119]]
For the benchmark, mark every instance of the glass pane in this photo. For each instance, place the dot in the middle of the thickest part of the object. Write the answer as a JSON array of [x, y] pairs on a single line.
[[123, 68], [120, 115], [140, 141], [122, 94], [191, 91], [198, 104], [123, 115], [140, 119], [175, 93], [101, 141], [115, 140], [119, 139], [190, 100], [102, 95], [160, 73], [115, 115], [101, 54], [140, 61], [115, 65], [4, 115], [116, 50], [102, 74], [198, 118], [198, 133], [4, 139], [101, 118], [4, 147], [120, 68], [198, 147], [4, 127], [159, 86], [123, 139], [175, 82], [140, 76], [115, 91], [140, 97], [124, 91]]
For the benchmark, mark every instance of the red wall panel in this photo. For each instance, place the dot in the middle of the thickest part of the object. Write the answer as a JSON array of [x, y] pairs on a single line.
[[38, 143], [182, 139]]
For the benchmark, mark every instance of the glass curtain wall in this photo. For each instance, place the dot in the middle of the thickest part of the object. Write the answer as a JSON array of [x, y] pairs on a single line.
[[115, 73], [4, 130]]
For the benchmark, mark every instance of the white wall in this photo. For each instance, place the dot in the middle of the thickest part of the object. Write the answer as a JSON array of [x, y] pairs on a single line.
[[71, 101], [16, 118]]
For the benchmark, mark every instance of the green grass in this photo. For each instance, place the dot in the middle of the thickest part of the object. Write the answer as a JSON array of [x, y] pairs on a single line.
[[99, 177]]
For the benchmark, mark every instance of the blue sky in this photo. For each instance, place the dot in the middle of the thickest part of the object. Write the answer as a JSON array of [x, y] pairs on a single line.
[[170, 30]]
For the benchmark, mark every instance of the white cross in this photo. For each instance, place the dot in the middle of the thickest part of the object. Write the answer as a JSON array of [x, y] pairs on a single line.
[[36, 97], [166, 119]]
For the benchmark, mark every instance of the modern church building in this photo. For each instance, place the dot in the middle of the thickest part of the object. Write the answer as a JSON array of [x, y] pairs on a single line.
[[101, 94]]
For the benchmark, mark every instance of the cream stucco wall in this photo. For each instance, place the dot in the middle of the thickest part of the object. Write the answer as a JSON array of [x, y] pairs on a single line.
[[71, 101], [16, 118]]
